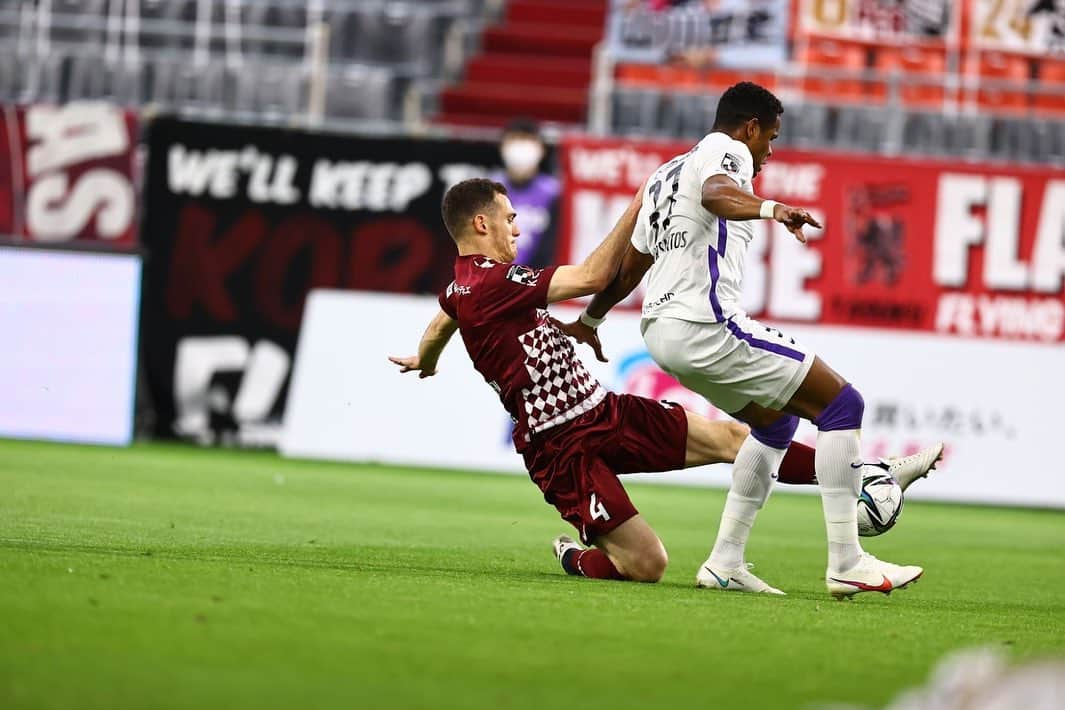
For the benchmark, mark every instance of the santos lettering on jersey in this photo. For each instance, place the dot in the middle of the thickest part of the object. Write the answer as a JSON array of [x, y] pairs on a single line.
[[701, 265], [672, 240]]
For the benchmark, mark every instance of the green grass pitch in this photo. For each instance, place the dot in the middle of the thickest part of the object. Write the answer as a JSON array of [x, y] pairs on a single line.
[[173, 577]]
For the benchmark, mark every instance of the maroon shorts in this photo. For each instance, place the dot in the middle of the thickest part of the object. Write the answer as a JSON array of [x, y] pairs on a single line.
[[576, 464]]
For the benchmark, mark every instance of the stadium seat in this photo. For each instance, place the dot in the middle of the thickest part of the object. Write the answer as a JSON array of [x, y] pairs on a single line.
[[860, 128], [78, 21], [1051, 95], [918, 71], [410, 40], [272, 90], [10, 23], [953, 135], [359, 92], [1013, 139], [832, 71], [92, 76], [1003, 81], [403, 36], [262, 18], [720, 79], [683, 114], [345, 35], [633, 110], [808, 125], [657, 75], [46, 78], [177, 83], [12, 74], [687, 78], [154, 16]]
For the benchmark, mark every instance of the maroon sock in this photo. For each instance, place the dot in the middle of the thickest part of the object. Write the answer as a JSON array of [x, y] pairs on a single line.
[[797, 468], [592, 563]]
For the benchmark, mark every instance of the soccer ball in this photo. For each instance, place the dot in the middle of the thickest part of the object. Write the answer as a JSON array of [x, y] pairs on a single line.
[[879, 504]]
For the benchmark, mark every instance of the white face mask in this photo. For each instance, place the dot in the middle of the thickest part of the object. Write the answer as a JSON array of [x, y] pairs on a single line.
[[522, 156]]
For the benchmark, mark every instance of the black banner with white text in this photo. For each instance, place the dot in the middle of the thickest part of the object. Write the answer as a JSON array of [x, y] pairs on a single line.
[[241, 223]]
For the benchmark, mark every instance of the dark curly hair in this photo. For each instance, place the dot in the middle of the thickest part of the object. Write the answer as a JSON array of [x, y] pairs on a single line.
[[744, 101]]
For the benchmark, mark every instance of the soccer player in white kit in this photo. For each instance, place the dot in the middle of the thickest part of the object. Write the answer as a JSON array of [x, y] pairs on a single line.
[[692, 235]]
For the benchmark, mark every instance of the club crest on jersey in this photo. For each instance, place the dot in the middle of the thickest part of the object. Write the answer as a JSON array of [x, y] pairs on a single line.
[[730, 164], [523, 275]]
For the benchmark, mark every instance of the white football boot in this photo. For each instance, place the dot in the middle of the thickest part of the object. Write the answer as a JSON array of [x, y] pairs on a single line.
[[737, 579], [870, 575], [907, 469], [562, 544]]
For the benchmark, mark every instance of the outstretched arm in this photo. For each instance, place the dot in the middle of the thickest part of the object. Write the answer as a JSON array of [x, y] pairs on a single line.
[[724, 198], [597, 271], [435, 338], [633, 266]]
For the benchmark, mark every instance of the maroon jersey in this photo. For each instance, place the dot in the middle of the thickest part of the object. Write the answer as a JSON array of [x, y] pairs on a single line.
[[531, 364]]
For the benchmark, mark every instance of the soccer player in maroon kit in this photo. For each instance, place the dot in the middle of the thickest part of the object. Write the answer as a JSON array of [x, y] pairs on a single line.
[[574, 436]]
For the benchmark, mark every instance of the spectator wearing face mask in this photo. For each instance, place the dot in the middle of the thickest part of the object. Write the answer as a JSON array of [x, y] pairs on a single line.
[[533, 193]]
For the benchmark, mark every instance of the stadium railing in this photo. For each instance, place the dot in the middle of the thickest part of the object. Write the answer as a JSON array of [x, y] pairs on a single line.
[[660, 71], [323, 60], [971, 117]]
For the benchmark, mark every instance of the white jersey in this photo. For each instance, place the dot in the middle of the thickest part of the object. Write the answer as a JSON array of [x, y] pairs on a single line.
[[699, 258]]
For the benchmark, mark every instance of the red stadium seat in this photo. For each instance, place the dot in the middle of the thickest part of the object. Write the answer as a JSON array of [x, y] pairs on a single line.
[[1051, 78], [919, 71], [1010, 72], [659, 76], [821, 57], [720, 79], [687, 78]]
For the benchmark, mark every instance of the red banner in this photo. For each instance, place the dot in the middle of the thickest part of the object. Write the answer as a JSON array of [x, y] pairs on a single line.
[[68, 174], [962, 249]]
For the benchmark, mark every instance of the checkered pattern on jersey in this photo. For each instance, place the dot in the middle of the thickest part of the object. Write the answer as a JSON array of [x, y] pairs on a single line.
[[562, 389]]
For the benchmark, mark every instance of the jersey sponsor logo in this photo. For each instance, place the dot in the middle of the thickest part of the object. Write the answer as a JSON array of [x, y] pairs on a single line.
[[455, 288], [730, 163], [523, 275], [662, 300]]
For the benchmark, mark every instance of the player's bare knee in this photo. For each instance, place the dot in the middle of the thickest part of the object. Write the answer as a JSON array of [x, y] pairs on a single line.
[[650, 566]]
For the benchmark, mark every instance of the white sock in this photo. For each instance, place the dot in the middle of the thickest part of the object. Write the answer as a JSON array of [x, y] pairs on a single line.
[[753, 472], [840, 483]]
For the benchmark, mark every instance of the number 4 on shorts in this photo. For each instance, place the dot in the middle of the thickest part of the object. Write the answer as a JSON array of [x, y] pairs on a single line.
[[596, 510]]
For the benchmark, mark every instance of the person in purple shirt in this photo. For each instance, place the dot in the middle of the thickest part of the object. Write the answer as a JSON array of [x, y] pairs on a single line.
[[533, 193]]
